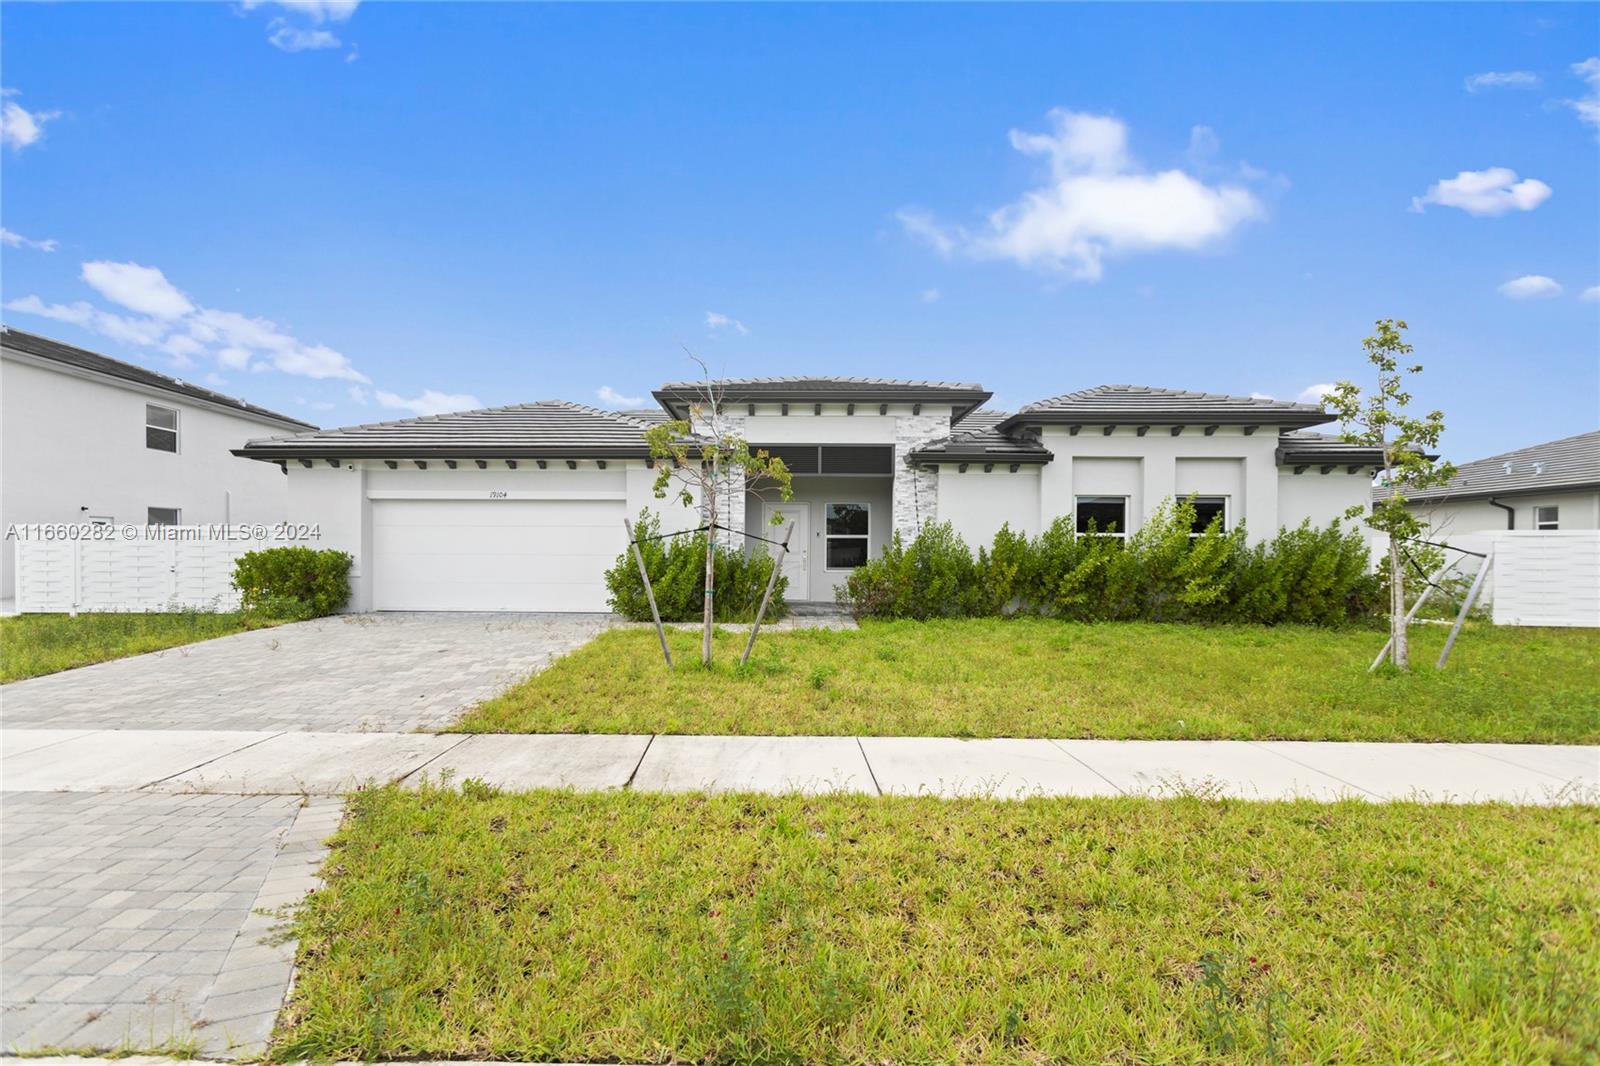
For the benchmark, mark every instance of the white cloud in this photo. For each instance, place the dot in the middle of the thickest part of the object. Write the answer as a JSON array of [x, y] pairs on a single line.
[[612, 398], [1590, 295], [1588, 107], [1531, 287], [315, 11], [430, 402], [1502, 79], [716, 321], [1098, 203], [1262, 396], [20, 127], [13, 239], [931, 296], [185, 332], [357, 395], [1485, 192], [141, 331], [289, 38], [138, 288], [1314, 393]]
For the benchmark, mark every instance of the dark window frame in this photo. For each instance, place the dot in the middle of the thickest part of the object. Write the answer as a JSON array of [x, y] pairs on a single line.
[[829, 537], [155, 433]]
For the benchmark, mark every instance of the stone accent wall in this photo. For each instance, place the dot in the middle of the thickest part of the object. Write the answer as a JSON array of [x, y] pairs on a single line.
[[730, 489], [916, 491]]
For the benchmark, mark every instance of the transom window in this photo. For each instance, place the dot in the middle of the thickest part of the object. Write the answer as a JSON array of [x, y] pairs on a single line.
[[161, 516], [1206, 509], [1108, 515], [1547, 518], [847, 527], [160, 428]]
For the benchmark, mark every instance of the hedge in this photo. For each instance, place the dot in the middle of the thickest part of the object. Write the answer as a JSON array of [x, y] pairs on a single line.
[[295, 583], [1160, 573], [677, 568]]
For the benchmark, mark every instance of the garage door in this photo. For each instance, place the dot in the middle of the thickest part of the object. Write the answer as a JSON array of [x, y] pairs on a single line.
[[494, 555]]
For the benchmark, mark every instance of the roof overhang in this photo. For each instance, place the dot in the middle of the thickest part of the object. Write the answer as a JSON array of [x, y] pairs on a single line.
[[1467, 495], [979, 455], [676, 400], [273, 452], [1166, 416]]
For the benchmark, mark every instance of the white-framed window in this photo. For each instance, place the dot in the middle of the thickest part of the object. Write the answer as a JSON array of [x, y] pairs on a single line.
[[1108, 514], [162, 516], [1547, 517], [160, 428], [1207, 508], [846, 527]]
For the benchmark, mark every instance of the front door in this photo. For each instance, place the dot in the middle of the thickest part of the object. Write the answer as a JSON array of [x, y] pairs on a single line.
[[797, 564]]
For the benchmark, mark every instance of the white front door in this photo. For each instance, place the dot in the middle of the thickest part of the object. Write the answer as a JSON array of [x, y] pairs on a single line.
[[797, 564]]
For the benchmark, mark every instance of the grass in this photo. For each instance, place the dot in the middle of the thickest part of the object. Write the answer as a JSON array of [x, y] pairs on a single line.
[[35, 644], [1033, 678], [783, 929]]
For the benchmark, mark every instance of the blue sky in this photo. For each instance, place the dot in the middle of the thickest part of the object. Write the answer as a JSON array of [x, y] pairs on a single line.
[[350, 213]]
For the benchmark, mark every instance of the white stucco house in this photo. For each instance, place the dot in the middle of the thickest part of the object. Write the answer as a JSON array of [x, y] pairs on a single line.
[[89, 439], [1545, 487], [521, 507]]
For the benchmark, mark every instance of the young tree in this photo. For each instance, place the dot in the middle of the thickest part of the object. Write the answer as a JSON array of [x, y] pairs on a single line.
[[713, 468], [1382, 419]]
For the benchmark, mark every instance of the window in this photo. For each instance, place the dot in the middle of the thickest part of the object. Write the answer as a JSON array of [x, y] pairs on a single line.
[[101, 520], [160, 428], [161, 516], [847, 525], [1109, 514], [1207, 508], [1547, 518]]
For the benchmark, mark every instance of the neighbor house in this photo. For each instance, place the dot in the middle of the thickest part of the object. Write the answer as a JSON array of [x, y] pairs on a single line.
[[89, 439], [521, 508], [1546, 487]]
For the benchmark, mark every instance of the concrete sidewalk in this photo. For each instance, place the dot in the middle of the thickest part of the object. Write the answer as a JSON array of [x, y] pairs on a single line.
[[296, 763]]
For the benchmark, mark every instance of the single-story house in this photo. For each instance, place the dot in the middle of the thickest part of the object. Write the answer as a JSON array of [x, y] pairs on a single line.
[[1546, 487], [85, 438], [522, 507]]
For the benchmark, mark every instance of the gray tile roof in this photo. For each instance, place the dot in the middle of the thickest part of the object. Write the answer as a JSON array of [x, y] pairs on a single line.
[[82, 359], [963, 396], [977, 439], [1571, 463], [1126, 404], [651, 415], [1303, 446], [546, 429]]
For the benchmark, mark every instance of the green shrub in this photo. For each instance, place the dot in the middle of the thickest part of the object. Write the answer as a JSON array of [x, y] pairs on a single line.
[[932, 577], [677, 569], [1160, 573], [293, 582]]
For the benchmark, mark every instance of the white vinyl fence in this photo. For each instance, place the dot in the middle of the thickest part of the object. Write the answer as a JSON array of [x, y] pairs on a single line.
[[1547, 578], [129, 568]]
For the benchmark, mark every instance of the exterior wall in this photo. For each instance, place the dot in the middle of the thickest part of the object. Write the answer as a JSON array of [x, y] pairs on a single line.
[[1244, 468], [977, 504], [1321, 498], [72, 447], [916, 492], [1579, 510], [815, 492]]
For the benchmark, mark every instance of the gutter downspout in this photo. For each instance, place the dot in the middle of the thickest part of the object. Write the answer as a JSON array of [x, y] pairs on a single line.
[[1511, 512]]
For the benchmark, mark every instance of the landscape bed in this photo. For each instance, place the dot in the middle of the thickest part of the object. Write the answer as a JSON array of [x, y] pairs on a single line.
[[1042, 678], [737, 928], [36, 644]]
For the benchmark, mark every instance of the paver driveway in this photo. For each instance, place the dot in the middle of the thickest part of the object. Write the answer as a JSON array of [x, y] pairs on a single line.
[[387, 672]]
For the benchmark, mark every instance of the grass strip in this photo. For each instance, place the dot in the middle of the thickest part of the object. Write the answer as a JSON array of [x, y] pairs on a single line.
[[35, 644], [734, 928], [1040, 678]]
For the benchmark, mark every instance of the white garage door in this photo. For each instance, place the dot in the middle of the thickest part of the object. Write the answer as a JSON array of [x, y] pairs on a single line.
[[494, 555]]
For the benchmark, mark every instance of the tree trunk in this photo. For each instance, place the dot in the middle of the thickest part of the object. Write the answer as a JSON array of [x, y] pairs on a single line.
[[711, 572], [1400, 651]]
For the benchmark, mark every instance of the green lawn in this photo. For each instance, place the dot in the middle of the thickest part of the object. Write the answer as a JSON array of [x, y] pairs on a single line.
[[1032, 678], [34, 644], [634, 927]]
